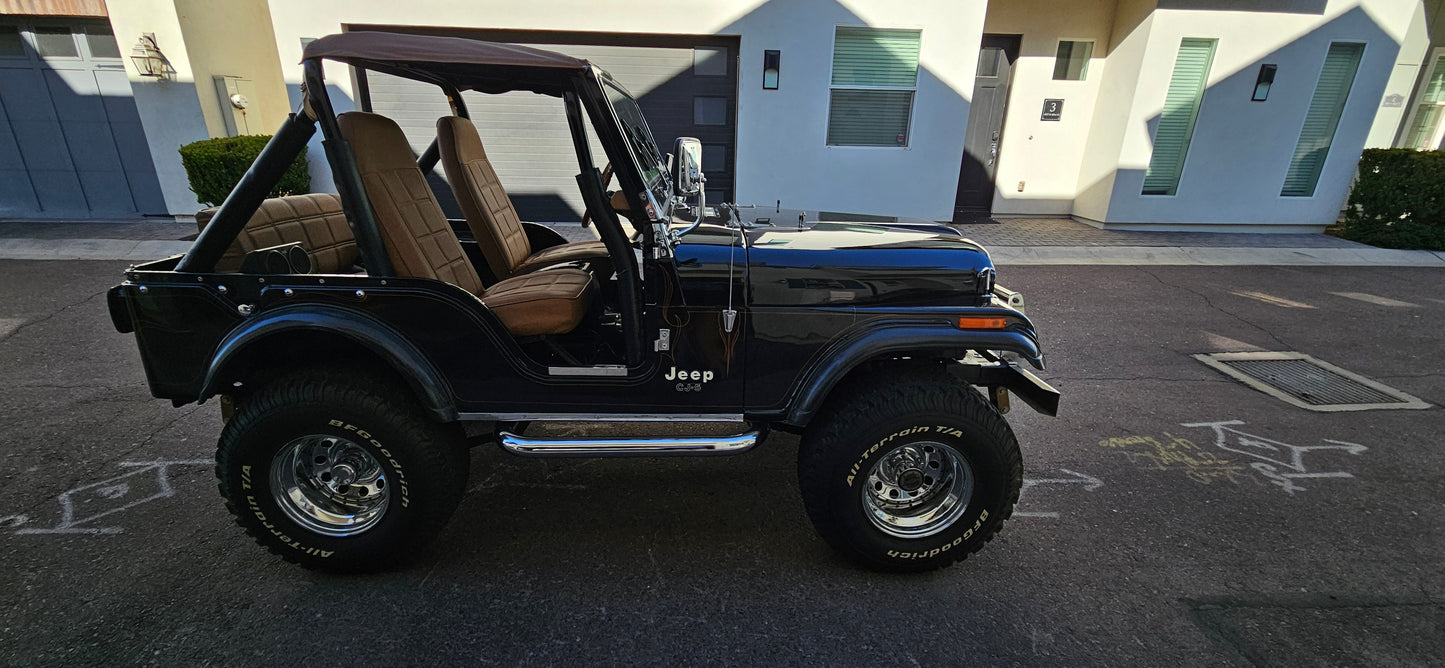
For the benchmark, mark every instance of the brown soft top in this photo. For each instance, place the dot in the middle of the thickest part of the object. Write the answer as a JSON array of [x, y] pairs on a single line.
[[422, 50], [466, 63]]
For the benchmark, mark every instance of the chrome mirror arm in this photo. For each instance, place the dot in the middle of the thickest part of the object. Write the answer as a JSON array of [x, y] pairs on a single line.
[[675, 237]]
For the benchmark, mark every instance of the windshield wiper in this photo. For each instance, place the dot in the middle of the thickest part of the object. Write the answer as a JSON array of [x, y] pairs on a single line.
[[651, 149]]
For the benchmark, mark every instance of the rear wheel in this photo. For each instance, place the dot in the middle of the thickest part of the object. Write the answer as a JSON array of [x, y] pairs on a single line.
[[909, 474], [339, 472]]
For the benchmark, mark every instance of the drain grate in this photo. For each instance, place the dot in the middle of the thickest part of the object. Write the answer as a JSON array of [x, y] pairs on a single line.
[[1309, 383]]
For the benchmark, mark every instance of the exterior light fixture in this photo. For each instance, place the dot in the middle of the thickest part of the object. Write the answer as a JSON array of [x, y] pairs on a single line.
[[770, 69], [1263, 82], [148, 59]]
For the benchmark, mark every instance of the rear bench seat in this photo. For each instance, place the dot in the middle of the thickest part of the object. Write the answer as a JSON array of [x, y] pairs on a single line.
[[316, 221]]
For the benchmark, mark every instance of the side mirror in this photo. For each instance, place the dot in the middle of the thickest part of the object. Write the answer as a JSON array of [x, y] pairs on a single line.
[[687, 166]]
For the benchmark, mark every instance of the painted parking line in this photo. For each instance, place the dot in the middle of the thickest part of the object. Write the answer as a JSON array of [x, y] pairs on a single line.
[[1374, 299], [1270, 299]]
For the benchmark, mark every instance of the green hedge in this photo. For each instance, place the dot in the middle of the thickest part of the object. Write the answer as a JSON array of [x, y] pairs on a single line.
[[214, 166], [1399, 200]]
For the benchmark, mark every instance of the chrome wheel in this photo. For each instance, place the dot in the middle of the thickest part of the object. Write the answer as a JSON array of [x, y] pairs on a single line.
[[918, 489], [329, 485]]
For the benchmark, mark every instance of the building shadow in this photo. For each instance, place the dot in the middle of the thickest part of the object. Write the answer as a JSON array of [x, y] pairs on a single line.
[[1316, 7], [844, 181], [1240, 151], [71, 140]]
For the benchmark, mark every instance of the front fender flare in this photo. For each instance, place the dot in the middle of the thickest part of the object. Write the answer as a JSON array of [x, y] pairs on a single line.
[[819, 379], [426, 382]]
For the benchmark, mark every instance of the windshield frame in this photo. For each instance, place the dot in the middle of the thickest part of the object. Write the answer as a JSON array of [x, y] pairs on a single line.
[[661, 183]]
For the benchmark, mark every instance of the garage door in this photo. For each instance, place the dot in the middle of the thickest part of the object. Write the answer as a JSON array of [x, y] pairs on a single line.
[[686, 86], [71, 142]]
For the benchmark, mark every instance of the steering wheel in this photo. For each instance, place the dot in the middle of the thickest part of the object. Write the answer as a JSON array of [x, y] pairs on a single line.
[[606, 180]]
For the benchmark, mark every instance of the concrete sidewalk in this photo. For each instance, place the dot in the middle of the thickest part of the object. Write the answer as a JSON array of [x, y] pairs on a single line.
[[1011, 242]]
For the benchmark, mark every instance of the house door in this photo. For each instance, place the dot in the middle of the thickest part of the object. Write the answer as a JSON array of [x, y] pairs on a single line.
[[985, 126]]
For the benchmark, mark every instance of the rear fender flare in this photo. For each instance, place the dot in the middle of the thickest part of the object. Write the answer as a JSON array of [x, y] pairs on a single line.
[[819, 379], [390, 347]]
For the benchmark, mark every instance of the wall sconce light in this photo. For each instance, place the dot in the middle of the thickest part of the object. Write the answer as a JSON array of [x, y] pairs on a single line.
[[1263, 82], [148, 59], [770, 69]]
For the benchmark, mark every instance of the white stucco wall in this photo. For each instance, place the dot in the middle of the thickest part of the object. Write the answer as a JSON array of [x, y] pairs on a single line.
[[233, 38], [170, 110], [1128, 45], [1046, 155], [1431, 33], [1402, 82], [781, 148], [1241, 150]]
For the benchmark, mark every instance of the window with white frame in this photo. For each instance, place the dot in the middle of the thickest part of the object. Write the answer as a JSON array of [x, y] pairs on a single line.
[[1071, 62], [1332, 91], [1175, 127], [875, 75], [1427, 123]]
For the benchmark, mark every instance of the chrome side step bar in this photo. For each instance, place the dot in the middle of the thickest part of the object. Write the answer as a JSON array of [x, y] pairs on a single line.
[[628, 447], [602, 417]]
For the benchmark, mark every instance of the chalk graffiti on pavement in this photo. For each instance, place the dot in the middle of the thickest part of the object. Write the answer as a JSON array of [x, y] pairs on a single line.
[[81, 507], [1281, 463]]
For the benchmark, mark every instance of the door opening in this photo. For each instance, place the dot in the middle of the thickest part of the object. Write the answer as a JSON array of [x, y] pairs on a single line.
[[983, 137]]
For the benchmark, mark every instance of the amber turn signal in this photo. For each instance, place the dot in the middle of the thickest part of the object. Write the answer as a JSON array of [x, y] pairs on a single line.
[[982, 323]]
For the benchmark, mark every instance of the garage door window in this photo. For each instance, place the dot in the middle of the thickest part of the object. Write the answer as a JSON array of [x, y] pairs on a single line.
[[55, 43], [875, 76], [101, 43], [709, 111], [710, 61], [10, 44], [714, 157]]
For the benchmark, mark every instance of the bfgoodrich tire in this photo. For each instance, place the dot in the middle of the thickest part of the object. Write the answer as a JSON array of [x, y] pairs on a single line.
[[339, 472], [909, 473]]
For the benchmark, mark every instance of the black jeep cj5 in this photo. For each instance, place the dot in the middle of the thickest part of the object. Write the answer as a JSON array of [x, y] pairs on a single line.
[[361, 342]]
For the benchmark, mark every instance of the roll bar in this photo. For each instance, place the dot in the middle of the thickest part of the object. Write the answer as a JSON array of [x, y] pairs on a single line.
[[346, 174], [316, 109], [289, 141]]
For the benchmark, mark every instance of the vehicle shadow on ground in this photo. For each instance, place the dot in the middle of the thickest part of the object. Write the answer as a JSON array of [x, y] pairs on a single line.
[[691, 558], [729, 510]]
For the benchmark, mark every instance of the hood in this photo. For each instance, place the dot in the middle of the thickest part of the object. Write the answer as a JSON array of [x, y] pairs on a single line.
[[865, 264]]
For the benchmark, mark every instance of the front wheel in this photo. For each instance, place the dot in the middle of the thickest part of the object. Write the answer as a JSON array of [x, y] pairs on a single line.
[[909, 474], [339, 472]]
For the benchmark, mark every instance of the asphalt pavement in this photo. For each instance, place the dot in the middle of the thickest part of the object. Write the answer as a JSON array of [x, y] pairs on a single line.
[[1171, 515]]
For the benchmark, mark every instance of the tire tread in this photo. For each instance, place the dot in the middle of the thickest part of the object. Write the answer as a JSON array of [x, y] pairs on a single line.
[[373, 395], [853, 407]]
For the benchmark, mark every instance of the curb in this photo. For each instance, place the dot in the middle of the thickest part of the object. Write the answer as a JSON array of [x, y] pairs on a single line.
[[133, 250], [1213, 256], [89, 249]]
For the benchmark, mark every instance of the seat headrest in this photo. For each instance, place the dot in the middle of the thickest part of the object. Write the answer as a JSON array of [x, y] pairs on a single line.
[[378, 141], [458, 139]]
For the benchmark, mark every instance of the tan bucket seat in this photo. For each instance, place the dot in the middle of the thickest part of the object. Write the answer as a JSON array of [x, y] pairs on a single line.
[[488, 209], [421, 243]]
